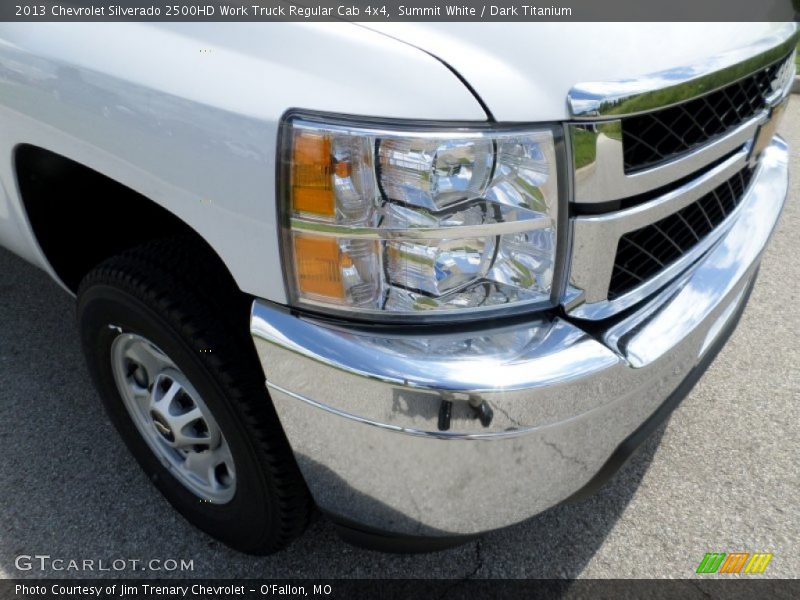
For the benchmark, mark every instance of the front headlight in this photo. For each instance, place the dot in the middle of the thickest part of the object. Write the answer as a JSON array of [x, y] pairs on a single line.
[[407, 221]]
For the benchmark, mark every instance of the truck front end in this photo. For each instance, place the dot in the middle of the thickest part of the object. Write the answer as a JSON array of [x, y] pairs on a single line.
[[486, 319]]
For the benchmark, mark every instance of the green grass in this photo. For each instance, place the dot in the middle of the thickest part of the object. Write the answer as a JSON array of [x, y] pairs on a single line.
[[583, 145], [797, 57]]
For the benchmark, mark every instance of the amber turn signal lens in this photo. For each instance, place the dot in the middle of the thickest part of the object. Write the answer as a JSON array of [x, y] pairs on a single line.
[[312, 169], [318, 266]]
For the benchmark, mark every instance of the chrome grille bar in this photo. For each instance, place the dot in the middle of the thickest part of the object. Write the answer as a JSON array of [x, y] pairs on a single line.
[[604, 179], [613, 118], [632, 96]]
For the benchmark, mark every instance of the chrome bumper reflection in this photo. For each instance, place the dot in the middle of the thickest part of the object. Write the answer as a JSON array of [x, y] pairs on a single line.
[[458, 433]]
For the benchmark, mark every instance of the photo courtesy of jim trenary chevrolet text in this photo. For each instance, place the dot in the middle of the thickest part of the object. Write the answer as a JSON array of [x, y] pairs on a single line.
[[457, 299]]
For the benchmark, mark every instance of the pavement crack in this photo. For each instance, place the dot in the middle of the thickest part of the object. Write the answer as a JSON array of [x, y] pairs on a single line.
[[504, 412], [478, 561], [457, 584], [571, 459]]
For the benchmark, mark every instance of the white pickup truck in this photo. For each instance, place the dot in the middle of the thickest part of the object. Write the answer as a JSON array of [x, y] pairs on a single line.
[[475, 264]]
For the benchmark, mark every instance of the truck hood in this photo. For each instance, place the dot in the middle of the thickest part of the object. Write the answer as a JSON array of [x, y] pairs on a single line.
[[523, 71]]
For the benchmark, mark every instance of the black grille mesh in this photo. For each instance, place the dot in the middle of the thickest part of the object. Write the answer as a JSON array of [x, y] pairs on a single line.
[[660, 135], [643, 253]]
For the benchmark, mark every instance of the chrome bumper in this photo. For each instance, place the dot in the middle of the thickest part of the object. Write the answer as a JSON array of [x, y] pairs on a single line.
[[385, 427]]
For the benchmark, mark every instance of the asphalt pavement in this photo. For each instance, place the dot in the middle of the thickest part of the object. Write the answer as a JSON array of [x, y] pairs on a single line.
[[721, 475]]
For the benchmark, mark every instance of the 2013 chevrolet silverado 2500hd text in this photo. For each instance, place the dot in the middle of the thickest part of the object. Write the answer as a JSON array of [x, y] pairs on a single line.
[[474, 263]]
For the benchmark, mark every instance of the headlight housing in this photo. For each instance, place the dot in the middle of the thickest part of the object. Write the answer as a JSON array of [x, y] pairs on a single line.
[[417, 221]]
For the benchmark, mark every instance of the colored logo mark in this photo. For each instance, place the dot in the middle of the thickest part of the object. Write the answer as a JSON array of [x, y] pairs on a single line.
[[735, 562]]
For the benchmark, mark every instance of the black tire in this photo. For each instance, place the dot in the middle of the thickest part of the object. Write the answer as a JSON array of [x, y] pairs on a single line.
[[174, 293]]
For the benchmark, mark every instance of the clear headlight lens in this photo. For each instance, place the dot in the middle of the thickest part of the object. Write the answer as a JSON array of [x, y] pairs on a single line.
[[416, 221], [434, 173]]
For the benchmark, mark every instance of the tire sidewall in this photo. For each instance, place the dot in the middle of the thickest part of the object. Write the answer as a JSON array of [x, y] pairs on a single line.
[[245, 520]]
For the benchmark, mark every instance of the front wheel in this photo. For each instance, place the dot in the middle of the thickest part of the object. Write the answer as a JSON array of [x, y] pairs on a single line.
[[168, 347]]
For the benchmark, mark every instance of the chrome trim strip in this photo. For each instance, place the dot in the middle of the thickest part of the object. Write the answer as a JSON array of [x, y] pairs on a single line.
[[581, 308], [626, 97], [439, 435], [420, 233], [623, 221]]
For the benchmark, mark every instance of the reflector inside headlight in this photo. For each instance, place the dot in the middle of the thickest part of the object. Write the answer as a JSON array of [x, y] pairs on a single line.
[[434, 173], [422, 220]]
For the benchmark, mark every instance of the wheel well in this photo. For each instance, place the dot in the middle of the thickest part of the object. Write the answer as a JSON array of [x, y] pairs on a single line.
[[81, 217]]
